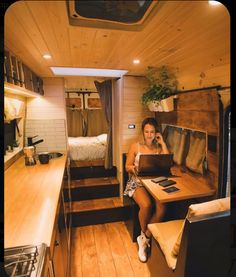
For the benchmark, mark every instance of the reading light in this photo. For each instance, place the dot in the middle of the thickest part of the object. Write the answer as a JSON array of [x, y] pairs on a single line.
[[214, 3], [75, 71]]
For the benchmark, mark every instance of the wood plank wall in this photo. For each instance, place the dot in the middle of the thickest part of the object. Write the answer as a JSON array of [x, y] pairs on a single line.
[[128, 110], [198, 110], [133, 111]]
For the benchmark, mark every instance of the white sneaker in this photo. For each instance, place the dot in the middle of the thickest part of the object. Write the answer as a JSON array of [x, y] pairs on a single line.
[[143, 243]]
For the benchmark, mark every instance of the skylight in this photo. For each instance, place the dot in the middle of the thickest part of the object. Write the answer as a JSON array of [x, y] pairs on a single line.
[[75, 71], [123, 15]]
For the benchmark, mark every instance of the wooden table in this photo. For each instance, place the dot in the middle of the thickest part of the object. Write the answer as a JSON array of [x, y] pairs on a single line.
[[190, 187]]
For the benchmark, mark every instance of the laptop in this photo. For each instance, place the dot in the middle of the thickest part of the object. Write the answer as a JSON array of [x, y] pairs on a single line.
[[155, 164]]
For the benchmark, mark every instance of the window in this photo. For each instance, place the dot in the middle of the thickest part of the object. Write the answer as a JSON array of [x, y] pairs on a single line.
[[126, 15]]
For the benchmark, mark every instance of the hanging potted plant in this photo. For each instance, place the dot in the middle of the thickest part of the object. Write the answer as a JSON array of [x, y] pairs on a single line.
[[159, 96]]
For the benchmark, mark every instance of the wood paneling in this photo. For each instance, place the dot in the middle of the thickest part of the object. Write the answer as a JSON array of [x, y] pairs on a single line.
[[192, 36], [198, 110], [194, 101], [133, 112], [52, 105], [200, 120]]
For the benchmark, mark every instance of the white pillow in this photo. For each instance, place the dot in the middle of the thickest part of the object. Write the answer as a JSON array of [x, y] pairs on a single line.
[[102, 138]]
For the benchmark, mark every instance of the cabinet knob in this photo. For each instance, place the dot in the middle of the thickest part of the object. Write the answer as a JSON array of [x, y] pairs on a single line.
[[56, 243]]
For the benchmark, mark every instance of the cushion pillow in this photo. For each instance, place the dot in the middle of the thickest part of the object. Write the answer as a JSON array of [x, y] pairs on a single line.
[[214, 206], [102, 138], [166, 233]]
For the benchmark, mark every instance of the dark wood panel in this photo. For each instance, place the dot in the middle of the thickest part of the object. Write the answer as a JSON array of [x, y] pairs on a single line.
[[166, 118], [199, 120], [92, 192], [198, 100], [213, 163], [93, 171], [99, 216]]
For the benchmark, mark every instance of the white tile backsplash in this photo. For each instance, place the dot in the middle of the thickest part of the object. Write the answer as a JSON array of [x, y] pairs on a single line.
[[52, 131]]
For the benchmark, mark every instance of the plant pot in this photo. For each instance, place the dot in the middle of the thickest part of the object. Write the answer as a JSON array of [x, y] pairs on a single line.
[[168, 104], [165, 105], [155, 106]]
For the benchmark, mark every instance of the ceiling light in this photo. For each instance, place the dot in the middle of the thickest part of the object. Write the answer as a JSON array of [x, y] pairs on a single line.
[[214, 3], [136, 61], [75, 71], [47, 56]]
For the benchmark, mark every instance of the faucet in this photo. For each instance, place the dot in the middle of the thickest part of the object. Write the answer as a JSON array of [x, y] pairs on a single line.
[[30, 141]]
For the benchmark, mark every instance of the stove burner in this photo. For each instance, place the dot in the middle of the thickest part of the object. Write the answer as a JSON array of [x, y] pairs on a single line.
[[21, 261]]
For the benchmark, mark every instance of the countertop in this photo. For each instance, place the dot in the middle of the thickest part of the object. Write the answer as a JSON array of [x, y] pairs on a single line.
[[31, 195]]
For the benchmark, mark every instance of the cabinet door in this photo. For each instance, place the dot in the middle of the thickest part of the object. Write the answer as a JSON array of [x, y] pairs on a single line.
[[40, 86], [35, 82], [48, 267], [20, 73], [8, 68], [27, 77], [15, 73]]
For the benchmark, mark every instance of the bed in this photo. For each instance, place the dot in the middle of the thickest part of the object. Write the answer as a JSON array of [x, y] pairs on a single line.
[[87, 151]]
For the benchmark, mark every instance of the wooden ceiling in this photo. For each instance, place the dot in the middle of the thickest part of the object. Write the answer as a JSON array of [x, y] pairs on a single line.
[[189, 35]]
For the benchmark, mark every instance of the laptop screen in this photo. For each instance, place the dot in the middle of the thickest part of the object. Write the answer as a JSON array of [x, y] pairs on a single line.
[[155, 164]]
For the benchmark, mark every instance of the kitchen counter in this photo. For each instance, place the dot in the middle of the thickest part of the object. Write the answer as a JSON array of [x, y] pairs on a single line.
[[31, 195]]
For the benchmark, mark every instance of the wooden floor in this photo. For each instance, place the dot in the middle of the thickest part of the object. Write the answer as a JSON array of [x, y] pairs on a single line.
[[105, 250]]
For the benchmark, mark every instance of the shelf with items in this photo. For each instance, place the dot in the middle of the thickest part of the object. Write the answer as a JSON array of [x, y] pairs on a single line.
[[19, 75], [17, 90]]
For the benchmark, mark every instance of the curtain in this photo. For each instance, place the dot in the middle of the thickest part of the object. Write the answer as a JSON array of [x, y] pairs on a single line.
[[97, 123], [177, 143], [74, 123], [197, 152], [105, 92], [83, 123]]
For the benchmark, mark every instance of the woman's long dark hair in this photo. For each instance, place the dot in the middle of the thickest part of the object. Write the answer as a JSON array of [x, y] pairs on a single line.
[[151, 121]]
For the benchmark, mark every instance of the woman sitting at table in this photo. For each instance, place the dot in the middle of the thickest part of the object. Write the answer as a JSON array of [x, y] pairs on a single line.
[[153, 144]]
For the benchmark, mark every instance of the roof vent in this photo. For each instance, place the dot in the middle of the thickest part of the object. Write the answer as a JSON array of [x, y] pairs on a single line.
[[124, 15]]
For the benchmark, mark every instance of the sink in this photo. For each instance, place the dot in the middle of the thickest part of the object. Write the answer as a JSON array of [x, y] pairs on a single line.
[[53, 155]]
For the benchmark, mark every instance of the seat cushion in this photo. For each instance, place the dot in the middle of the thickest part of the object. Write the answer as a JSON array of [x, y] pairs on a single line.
[[166, 234], [214, 206]]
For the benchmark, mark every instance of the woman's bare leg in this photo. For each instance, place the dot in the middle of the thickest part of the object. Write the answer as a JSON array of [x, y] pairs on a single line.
[[143, 200], [157, 215]]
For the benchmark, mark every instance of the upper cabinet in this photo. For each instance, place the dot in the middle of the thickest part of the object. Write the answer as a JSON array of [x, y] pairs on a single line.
[[20, 76]]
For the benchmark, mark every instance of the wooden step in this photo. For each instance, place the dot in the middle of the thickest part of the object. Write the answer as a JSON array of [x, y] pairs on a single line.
[[88, 182], [96, 204], [94, 188], [92, 171], [97, 211]]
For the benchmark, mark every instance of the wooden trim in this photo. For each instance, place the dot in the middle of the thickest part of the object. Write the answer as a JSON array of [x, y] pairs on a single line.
[[199, 89], [74, 163]]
